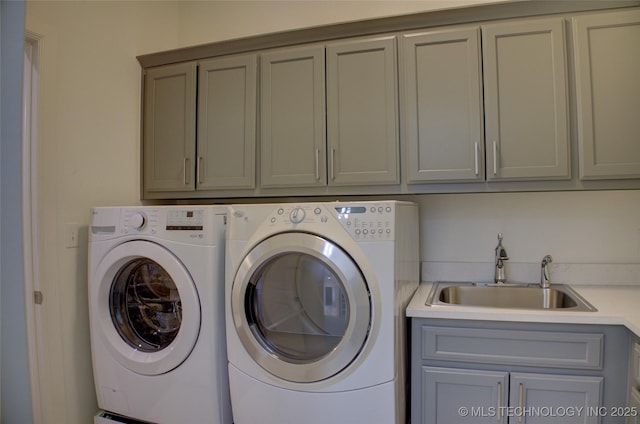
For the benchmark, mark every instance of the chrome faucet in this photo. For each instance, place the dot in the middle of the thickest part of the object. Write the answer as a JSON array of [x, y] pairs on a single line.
[[545, 279], [501, 256]]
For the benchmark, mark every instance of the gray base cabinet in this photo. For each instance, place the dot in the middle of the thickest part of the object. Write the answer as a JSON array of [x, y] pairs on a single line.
[[477, 372], [633, 409]]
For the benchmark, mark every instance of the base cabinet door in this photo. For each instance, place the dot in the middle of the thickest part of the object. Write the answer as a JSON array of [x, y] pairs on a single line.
[[459, 396], [547, 399], [451, 395]]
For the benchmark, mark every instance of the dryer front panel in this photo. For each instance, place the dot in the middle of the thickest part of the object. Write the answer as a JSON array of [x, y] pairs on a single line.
[[301, 307], [148, 307]]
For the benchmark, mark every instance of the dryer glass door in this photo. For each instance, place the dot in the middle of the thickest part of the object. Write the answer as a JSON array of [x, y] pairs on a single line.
[[301, 307]]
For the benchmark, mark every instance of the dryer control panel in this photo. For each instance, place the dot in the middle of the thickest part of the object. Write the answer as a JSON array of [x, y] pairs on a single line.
[[367, 221], [363, 221]]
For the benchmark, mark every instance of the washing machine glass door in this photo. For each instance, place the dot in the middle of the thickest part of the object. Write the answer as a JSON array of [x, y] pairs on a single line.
[[148, 307], [301, 307]]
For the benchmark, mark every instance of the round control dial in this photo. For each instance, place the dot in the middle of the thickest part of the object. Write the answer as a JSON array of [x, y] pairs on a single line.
[[297, 215], [138, 220]]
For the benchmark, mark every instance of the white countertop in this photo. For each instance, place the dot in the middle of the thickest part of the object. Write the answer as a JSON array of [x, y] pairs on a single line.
[[616, 305]]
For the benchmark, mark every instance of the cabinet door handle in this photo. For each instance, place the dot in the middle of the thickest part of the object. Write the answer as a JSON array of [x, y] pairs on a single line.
[[199, 169], [317, 164], [499, 401], [476, 152], [185, 166], [495, 157], [520, 401], [333, 160]]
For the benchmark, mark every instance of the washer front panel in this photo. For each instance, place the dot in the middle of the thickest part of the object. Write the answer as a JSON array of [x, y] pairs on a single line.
[[301, 307], [148, 307]]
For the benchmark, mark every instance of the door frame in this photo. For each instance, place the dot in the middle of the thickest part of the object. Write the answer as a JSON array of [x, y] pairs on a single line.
[[33, 295]]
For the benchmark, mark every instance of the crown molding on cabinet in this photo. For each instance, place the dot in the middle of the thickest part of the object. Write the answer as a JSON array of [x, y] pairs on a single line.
[[510, 9]]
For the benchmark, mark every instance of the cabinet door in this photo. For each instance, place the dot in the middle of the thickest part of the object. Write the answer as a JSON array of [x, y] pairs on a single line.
[[526, 100], [539, 398], [293, 135], [169, 128], [460, 396], [444, 131], [226, 123], [607, 56], [362, 112]]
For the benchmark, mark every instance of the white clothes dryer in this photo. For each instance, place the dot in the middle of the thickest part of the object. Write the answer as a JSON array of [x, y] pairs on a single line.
[[156, 308], [315, 311]]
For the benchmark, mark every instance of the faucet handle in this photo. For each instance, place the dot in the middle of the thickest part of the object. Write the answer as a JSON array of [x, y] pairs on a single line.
[[501, 253], [545, 279]]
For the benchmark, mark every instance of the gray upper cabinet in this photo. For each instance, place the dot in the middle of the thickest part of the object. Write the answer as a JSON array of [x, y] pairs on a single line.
[[218, 154], [607, 56], [347, 135], [540, 96], [362, 112], [525, 92], [517, 131], [443, 120], [226, 141], [169, 128], [293, 141]]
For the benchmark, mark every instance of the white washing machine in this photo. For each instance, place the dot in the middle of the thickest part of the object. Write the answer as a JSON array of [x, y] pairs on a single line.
[[316, 296], [156, 298]]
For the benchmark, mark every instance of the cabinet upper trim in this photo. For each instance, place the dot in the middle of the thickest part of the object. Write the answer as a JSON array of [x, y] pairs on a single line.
[[373, 26]]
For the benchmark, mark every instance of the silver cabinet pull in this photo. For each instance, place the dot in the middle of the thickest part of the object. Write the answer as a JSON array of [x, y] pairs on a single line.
[[185, 176], [476, 152], [333, 160], [499, 401], [199, 169], [317, 164], [520, 401], [495, 157]]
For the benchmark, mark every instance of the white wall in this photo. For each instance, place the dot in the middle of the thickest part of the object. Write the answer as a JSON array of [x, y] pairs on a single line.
[[206, 21], [594, 237], [89, 156], [88, 150]]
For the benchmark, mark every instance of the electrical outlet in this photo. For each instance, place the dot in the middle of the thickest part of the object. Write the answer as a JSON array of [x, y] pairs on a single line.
[[71, 234]]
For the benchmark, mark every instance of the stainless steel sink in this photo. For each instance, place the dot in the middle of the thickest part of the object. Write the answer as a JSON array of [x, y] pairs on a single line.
[[518, 296]]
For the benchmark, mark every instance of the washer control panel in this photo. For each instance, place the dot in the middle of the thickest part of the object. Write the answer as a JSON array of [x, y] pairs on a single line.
[[139, 221], [151, 221], [364, 221]]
